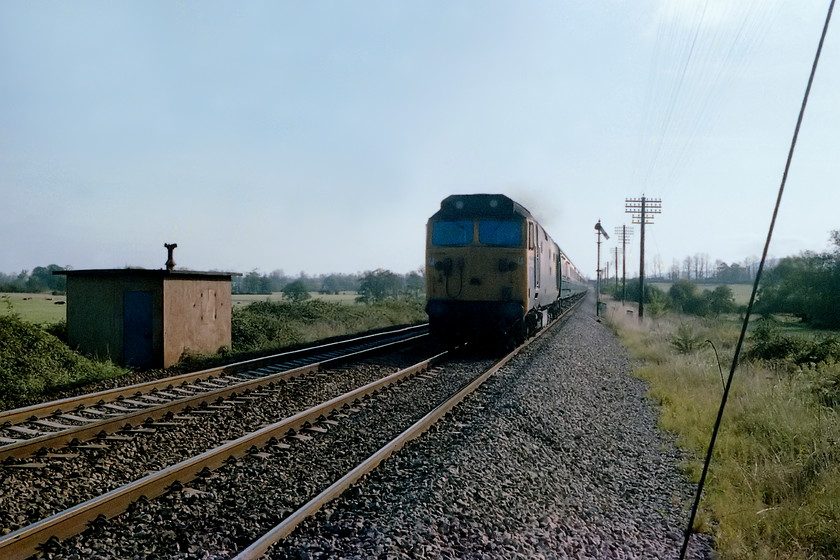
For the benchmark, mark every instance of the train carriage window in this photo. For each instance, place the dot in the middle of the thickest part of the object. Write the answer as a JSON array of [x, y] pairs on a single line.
[[452, 233], [501, 233]]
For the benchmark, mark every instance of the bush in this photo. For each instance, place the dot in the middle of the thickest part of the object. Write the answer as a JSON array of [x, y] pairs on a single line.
[[58, 330], [295, 291], [823, 349], [653, 295], [720, 300], [686, 340], [768, 342], [34, 363], [688, 298], [657, 301]]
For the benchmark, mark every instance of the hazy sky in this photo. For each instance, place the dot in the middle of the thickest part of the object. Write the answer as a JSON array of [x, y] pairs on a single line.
[[320, 136]]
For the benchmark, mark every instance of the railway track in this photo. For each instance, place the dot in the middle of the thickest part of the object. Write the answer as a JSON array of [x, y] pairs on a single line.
[[263, 445], [285, 528], [143, 407]]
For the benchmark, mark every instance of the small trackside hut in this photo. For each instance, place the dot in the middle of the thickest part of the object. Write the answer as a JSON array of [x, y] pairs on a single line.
[[148, 318]]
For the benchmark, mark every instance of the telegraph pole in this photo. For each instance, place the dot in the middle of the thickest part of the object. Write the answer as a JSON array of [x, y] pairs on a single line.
[[624, 234], [615, 254], [641, 208]]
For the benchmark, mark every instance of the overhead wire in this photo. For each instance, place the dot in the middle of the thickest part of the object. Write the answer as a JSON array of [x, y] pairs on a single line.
[[694, 52], [753, 26], [742, 336], [675, 94]]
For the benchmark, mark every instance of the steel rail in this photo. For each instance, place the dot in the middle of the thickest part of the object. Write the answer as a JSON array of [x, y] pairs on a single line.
[[72, 403], [26, 541], [27, 447], [259, 547]]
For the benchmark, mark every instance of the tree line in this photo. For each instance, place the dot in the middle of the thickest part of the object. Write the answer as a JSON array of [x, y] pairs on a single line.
[[682, 297], [700, 268], [370, 286], [41, 279], [806, 286]]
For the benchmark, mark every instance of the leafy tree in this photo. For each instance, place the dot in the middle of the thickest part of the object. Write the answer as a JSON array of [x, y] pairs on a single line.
[[683, 294], [807, 286], [42, 279], [415, 282], [276, 280], [335, 283], [252, 283], [295, 291], [330, 284], [720, 300], [732, 274], [686, 297], [378, 285]]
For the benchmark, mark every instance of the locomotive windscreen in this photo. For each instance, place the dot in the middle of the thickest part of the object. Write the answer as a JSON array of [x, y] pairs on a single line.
[[452, 233], [501, 233]]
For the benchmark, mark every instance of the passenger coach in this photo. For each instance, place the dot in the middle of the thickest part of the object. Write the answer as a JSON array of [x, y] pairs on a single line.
[[492, 270]]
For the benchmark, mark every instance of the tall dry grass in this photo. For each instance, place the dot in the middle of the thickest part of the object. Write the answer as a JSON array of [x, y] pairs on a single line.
[[773, 489]]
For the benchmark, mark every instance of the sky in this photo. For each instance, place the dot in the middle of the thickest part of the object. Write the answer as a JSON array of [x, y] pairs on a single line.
[[318, 137]]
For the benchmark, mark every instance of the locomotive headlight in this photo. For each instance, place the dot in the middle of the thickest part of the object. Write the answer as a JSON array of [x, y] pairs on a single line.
[[444, 266], [505, 265], [494, 203]]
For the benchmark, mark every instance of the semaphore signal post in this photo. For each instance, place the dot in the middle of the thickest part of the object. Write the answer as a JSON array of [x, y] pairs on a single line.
[[642, 210]]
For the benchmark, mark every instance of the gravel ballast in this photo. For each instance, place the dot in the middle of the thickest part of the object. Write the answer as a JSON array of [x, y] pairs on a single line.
[[30, 495], [557, 456]]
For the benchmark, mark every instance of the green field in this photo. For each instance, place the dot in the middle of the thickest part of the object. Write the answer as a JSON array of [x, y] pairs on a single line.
[[47, 308], [34, 308], [741, 292]]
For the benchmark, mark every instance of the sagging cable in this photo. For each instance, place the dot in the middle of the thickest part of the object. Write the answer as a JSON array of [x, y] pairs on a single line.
[[755, 289]]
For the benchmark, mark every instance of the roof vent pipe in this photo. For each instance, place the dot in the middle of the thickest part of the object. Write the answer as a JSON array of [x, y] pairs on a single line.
[[170, 262]]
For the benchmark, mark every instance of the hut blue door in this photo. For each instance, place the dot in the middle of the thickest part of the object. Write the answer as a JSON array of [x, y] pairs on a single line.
[[137, 329]]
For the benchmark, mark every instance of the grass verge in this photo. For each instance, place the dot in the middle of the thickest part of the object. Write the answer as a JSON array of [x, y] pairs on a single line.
[[34, 363], [268, 325], [773, 489]]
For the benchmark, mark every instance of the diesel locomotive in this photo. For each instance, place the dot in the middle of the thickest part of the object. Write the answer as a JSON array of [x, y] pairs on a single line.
[[492, 271]]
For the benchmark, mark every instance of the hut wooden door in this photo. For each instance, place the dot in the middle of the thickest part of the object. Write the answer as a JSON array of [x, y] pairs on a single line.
[[137, 329]]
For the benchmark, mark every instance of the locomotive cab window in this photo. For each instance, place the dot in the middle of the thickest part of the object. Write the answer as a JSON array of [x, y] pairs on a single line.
[[501, 233], [452, 233], [530, 235]]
